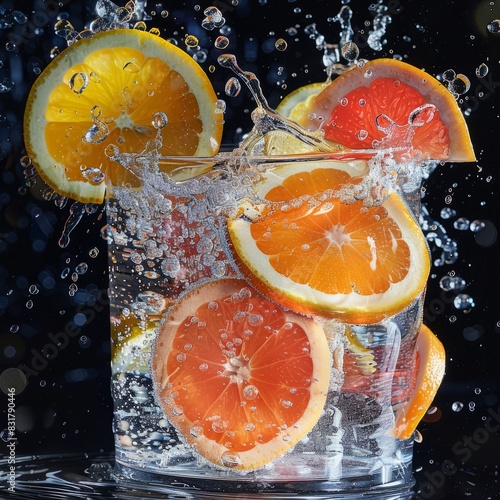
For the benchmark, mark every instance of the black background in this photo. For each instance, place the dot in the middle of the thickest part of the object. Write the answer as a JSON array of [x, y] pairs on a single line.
[[66, 405]]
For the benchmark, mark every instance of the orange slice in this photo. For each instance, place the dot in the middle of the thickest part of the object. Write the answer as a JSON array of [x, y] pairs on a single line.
[[314, 254], [241, 380], [432, 360], [119, 87], [386, 103]]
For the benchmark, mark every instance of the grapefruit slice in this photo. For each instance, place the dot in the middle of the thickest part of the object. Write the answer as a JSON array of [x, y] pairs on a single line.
[[240, 379], [386, 103], [119, 87], [315, 254]]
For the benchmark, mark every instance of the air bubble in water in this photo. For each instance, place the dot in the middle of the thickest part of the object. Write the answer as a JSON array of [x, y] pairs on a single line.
[[457, 406], [461, 84], [448, 75], [178, 410], [219, 425], [170, 266], [230, 459], [482, 70], [232, 87], [250, 392], [78, 82], [196, 431]]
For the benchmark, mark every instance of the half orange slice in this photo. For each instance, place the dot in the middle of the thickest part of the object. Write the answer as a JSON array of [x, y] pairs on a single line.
[[120, 87], [241, 379]]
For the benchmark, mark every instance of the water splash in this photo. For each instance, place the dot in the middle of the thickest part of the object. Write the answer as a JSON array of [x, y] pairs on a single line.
[[380, 22]]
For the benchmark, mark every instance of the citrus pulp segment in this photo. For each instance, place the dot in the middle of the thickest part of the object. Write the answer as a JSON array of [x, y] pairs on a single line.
[[386, 103], [430, 372], [120, 88], [241, 380], [313, 253]]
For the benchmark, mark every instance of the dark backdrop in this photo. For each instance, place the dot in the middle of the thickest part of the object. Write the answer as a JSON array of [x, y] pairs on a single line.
[[66, 405]]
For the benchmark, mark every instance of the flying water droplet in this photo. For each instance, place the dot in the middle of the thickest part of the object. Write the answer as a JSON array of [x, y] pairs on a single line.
[[230, 459], [93, 174], [78, 82], [131, 67], [476, 226], [448, 283], [250, 392], [350, 51], [462, 224], [281, 44], [191, 41], [463, 302], [160, 120], [232, 87], [220, 106], [494, 26], [221, 42], [213, 19]]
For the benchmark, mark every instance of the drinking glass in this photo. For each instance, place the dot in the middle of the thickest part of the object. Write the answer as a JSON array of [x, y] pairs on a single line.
[[167, 235]]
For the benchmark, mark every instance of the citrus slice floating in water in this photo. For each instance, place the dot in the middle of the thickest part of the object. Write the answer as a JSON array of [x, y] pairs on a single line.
[[117, 88], [315, 254], [386, 103], [293, 102], [241, 380], [430, 372]]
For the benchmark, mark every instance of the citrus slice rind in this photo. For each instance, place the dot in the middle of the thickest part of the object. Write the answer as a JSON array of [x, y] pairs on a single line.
[[240, 379], [325, 258], [430, 373], [316, 111], [106, 90]]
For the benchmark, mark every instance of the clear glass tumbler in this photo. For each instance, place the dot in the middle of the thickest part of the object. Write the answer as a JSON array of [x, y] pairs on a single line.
[[167, 236]]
